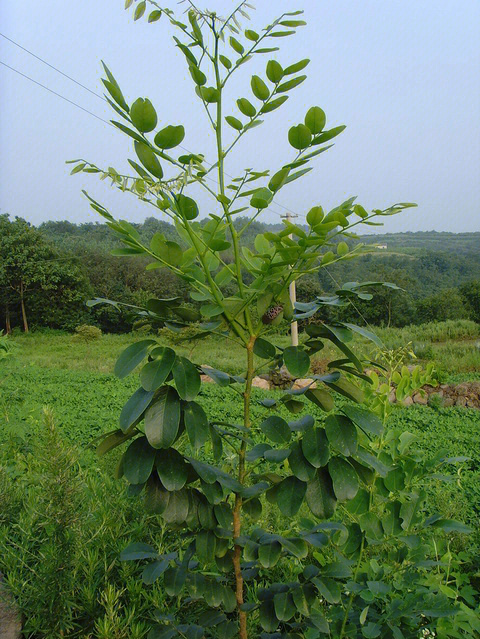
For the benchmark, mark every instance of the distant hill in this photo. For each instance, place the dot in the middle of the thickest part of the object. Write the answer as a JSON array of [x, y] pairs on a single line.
[[459, 243]]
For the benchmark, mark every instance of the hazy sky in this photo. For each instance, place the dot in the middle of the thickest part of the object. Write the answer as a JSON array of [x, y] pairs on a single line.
[[403, 75]]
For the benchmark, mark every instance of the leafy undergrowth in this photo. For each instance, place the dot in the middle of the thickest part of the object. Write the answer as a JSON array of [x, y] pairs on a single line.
[[87, 404], [92, 519]]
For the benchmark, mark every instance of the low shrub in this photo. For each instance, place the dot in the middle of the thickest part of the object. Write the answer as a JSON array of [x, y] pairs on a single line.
[[87, 333]]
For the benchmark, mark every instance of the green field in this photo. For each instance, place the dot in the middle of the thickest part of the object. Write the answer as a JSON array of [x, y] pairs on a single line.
[[64, 519]]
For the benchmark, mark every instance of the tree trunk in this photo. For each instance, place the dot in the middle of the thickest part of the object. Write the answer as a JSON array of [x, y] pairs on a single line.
[[22, 304], [8, 326]]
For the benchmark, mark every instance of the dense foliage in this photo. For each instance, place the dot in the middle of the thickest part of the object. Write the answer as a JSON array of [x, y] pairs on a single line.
[[39, 284]]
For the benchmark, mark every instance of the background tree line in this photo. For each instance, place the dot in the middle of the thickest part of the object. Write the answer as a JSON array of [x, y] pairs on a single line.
[[47, 274]]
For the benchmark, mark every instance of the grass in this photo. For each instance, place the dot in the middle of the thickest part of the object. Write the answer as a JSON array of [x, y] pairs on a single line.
[[452, 345]]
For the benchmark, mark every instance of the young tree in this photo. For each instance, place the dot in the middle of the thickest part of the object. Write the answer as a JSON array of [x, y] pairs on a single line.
[[34, 275], [209, 478]]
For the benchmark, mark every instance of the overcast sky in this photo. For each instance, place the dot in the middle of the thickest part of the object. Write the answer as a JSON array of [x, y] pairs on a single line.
[[403, 75]]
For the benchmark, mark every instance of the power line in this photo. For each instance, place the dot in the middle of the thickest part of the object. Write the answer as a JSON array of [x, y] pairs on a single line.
[[52, 67], [55, 93]]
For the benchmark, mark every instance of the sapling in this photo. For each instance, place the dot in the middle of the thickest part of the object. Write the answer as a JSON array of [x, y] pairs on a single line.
[[176, 453]]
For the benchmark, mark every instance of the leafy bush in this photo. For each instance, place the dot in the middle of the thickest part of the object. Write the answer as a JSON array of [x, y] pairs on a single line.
[[86, 333]]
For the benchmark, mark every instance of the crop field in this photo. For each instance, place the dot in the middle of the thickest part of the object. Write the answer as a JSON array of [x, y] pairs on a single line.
[[64, 519]]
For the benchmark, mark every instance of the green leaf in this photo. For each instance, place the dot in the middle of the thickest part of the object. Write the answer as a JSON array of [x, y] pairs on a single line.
[[449, 525], [264, 349], [315, 216], [371, 525], [360, 504], [172, 469], [219, 377], [253, 508], [143, 115], [294, 68], [112, 441], [320, 496], [293, 23], [329, 589], [280, 34], [344, 478], [174, 581], [187, 207], [267, 617], [278, 180], [299, 136], [155, 15], [246, 107], [321, 398], [138, 461], [284, 606], [299, 465], [114, 90], [301, 601], [154, 570], [171, 253], [276, 429], [77, 168], [365, 333], [224, 515], [236, 46], [274, 71], [328, 135], [131, 357], [394, 480], [138, 551], [170, 137], [261, 199], [269, 554], [341, 434], [205, 544], [273, 104], [315, 120], [251, 35], [186, 377], [365, 419], [296, 360], [154, 373], [259, 88], [177, 508], [211, 95], [196, 424], [162, 419], [291, 84], [134, 408], [198, 76], [290, 494], [149, 160], [139, 10], [156, 497], [315, 447], [391, 519], [225, 61], [128, 131], [234, 122]]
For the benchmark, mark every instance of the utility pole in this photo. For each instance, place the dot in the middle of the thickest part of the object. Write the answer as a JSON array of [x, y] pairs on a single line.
[[292, 291]]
